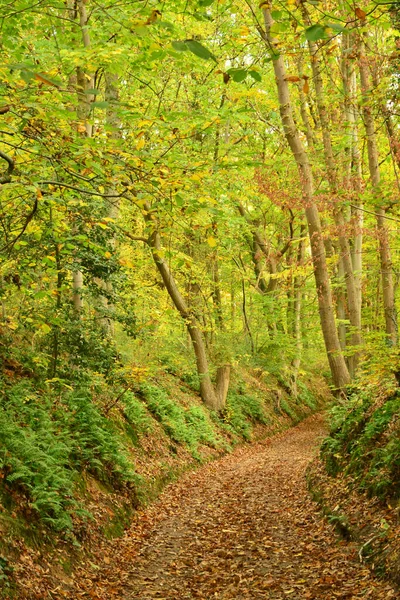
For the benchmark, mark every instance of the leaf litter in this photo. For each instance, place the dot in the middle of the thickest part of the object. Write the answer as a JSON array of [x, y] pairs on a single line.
[[242, 527]]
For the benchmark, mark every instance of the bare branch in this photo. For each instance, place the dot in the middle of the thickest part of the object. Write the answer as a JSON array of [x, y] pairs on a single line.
[[7, 176], [10, 245], [82, 191]]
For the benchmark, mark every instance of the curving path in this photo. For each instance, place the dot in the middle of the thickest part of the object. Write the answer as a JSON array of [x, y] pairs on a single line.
[[244, 528]]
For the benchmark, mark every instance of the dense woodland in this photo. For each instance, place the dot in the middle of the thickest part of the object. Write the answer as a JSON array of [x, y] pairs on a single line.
[[193, 190]]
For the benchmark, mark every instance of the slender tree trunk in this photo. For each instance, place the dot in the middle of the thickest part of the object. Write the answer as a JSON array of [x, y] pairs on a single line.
[[233, 304], [341, 307], [298, 301], [383, 233], [340, 374], [77, 286], [83, 83], [331, 166], [56, 329], [211, 397], [245, 317], [259, 248], [353, 173], [222, 383], [113, 202], [303, 86], [256, 255], [216, 291], [3, 304]]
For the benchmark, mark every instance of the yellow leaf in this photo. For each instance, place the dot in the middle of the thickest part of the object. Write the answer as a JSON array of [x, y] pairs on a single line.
[[45, 328], [211, 241], [145, 123], [140, 143], [107, 254]]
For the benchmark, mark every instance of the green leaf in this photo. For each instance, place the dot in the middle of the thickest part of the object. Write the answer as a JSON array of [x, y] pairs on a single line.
[[166, 25], [102, 104], [238, 75], [45, 328], [27, 76], [42, 294], [180, 46], [199, 50], [140, 30], [202, 16], [179, 201], [315, 32], [255, 75], [276, 14], [205, 2], [336, 27]]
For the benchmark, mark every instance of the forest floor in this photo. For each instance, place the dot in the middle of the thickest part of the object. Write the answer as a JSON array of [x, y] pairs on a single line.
[[242, 527]]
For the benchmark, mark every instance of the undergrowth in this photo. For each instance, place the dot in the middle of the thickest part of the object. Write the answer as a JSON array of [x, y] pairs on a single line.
[[52, 434], [365, 441], [46, 440], [242, 411], [189, 426]]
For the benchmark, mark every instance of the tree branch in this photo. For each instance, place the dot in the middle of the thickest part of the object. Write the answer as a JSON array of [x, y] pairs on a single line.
[[82, 191], [28, 219], [7, 176]]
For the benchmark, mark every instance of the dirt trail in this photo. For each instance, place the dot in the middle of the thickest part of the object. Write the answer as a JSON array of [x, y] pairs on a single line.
[[245, 528]]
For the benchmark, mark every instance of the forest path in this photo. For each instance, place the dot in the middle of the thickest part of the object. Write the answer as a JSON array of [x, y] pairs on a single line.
[[244, 527]]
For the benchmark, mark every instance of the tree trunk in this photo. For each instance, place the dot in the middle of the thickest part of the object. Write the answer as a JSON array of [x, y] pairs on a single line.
[[331, 166], [208, 393], [113, 203], [216, 291], [309, 133], [341, 307], [83, 83], [222, 383], [352, 167], [77, 285], [383, 233], [340, 374], [298, 300]]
